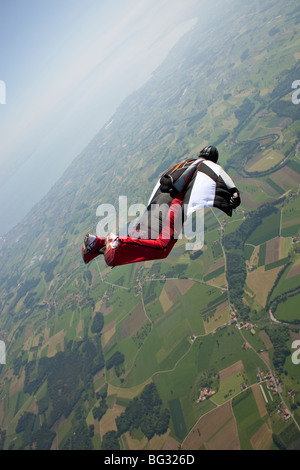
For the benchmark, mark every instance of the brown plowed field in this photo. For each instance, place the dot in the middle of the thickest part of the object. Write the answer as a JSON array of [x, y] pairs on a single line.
[[207, 426]]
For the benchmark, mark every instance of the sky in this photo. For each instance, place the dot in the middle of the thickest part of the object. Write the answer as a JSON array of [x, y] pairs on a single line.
[[65, 66]]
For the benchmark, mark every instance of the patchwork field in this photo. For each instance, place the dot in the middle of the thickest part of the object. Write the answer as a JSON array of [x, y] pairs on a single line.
[[264, 161], [261, 281], [260, 402], [133, 322], [219, 318], [262, 439], [248, 421], [231, 381], [275, 249], [210, 424], [108, 422]]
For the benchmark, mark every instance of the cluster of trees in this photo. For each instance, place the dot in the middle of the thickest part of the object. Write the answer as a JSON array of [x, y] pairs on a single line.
[[71, 373], [30, 300], [100, 410], [149, 294], [25, 288], [144, 412], [142, 334], [19, 362], [243, 111], [48, 267], [87, 275], [285, 108], [278, 442], [245, 55], [279, 336], [2, 438], [42, 438], [177, 270], [81, 436], [116, 361], [195, 254], [243, 114], [196, 118], [284, 85], [98, 323], [111, 441], [69, 376]]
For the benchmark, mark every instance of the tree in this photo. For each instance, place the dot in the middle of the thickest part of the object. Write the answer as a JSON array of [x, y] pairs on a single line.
[[116, 359], [110, 441], [98, 323], [145, 412], [44, 438], [100, 410]]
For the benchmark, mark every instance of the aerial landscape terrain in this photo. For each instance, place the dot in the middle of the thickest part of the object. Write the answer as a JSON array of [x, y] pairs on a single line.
[[197, 351]]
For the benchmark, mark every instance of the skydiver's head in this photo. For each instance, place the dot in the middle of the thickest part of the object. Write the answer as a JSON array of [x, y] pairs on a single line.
[[210, 153]]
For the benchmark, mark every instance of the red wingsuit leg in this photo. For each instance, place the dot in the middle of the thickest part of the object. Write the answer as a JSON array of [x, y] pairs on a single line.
[[133, 250]]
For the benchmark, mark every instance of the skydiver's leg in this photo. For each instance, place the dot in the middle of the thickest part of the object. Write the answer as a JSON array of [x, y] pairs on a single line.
[[132, 250]]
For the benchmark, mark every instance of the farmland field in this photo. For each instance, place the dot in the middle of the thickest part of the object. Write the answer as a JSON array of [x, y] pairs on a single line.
[[288, 311], [229, 387], [265, 161], [206, 427], [267, 230], [261, 282], [247, 417]]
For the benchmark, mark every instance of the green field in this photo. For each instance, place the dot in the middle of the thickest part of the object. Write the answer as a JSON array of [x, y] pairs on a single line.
[[288, 310], [229, 387], [266, 231], [247, 417]]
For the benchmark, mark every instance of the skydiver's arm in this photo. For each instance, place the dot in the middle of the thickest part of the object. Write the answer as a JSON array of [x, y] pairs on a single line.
[[154, 191], [235, 198], [227, 180]]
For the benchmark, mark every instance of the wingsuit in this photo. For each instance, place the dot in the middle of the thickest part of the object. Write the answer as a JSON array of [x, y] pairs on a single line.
[[180, 191]]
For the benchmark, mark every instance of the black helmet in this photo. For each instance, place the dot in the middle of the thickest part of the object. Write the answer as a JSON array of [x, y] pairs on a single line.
[[210, 153]]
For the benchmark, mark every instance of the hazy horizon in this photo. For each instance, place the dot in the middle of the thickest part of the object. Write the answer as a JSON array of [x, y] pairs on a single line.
[[67, 66]]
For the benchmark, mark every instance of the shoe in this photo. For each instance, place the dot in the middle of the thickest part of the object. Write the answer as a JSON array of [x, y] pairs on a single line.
[[91, 247], [88, 239]]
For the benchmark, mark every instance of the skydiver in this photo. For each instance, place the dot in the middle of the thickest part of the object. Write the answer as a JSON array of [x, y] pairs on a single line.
[[196, 183]]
